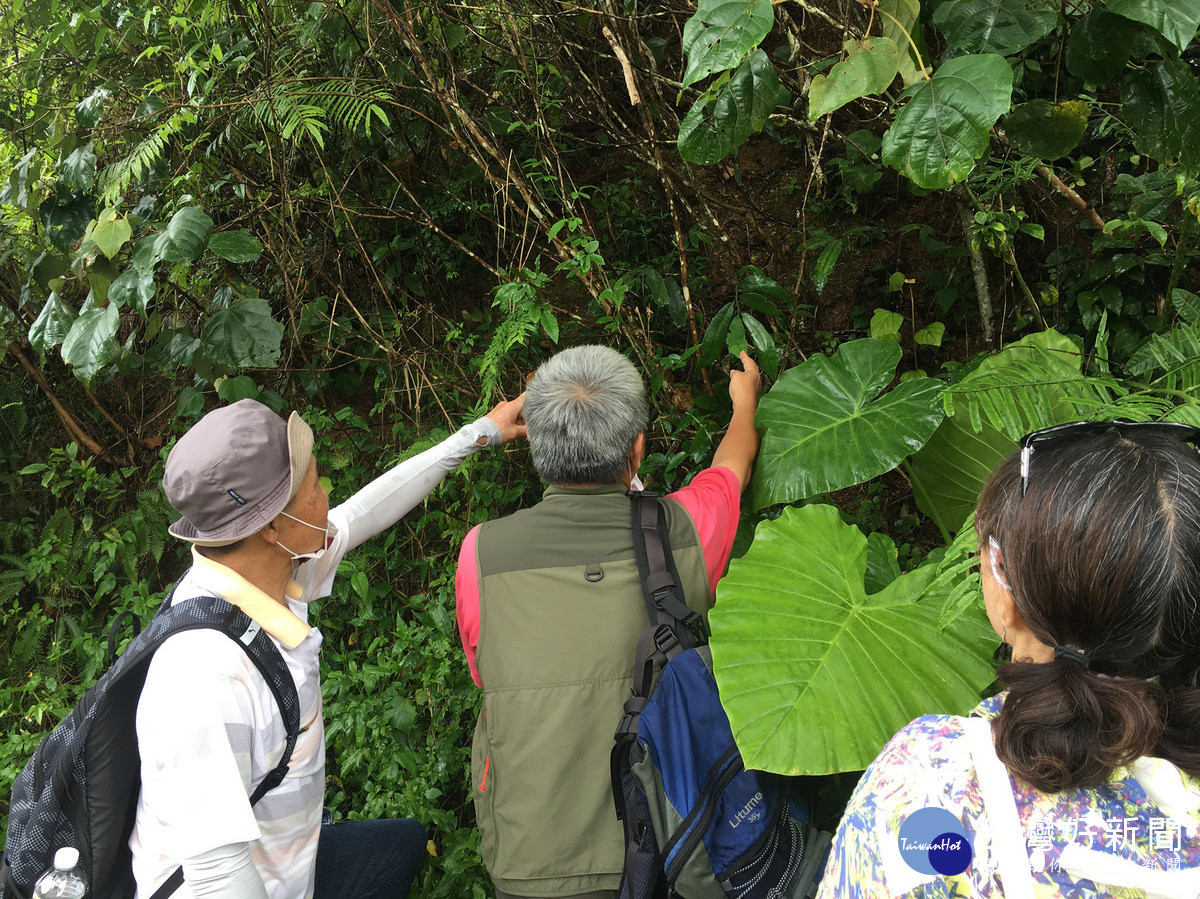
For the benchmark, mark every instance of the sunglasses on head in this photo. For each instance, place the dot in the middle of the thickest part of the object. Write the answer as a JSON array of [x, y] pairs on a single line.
[[1077, 429]]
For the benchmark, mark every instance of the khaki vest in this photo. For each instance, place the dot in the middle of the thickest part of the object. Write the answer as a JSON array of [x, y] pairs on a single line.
[[561, 609]]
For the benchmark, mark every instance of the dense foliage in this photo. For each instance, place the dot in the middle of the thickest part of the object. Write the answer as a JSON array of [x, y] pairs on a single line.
[[386, 213]]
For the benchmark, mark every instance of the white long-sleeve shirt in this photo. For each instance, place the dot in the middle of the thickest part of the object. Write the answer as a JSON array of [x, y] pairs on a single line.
[[209, 728]]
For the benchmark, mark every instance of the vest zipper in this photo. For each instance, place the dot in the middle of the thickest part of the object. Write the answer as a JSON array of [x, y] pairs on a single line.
[[487, 764], [715, 782]]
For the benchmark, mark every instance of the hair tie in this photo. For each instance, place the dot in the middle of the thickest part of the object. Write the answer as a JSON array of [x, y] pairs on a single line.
[[1078, 656]]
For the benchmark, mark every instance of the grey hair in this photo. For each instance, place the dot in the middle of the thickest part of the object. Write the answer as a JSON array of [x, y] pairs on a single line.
[[584, 409]]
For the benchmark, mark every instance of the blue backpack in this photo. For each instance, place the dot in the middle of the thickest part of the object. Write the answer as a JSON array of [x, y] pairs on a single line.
[[698, 824]]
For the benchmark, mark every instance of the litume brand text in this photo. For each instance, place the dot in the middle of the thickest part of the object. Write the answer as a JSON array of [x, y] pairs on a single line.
[[744, 812]]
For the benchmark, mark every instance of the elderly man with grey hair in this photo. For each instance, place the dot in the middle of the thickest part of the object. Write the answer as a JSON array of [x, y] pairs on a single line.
[[550, 608]]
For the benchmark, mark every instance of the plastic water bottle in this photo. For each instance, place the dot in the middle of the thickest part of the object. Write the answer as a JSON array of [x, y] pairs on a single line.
[[64, 880]]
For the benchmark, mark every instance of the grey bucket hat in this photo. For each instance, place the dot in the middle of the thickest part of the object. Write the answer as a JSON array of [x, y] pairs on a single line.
[[234, 471]]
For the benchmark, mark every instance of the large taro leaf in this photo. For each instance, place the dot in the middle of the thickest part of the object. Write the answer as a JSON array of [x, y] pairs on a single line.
[[91, 343], [721, 33], [1177, 20], [1161, 102], [827, 427], [995, 26], [869, 67], [1031, 384], [243, 336], [944, 127], [1047, 130], [814, 673], [734, 108]]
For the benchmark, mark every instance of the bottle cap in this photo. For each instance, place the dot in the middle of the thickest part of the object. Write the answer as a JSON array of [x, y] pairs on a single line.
[[66, 858]]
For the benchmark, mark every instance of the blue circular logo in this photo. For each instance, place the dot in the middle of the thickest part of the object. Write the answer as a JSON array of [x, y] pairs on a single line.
[[932, 841]]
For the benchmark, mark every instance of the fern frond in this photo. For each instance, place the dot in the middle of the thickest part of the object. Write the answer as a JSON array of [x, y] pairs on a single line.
[[1170, 362], [142, 158]]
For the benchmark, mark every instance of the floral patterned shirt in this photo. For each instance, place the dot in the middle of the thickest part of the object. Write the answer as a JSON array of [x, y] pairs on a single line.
[[1148, 814]]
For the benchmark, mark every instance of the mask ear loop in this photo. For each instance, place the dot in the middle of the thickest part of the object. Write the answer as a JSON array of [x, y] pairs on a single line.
[[993, 553]]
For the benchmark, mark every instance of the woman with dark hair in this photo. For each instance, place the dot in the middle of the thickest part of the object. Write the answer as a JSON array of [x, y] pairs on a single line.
[[1082, 779]]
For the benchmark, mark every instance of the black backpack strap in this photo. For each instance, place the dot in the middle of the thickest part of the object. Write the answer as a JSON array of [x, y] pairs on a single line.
[[220, 615], [674, 627]]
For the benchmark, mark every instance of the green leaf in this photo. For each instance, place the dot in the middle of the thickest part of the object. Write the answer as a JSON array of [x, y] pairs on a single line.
[[132, 288], [995, 26], [52, 324], [89, 110], [735, 340], [1098, 46], [814, 673], [243, 336], [549, 323], [714, 336], [869, 67], [66, 222], [1176, 20], [883, 562], [753, 280], [767, 355], [146, 254], [110, 234], [90, 344], [827, 427], [1047, 130], [1028, 385], [78, 171], [901, 26], [931, 335], [1161, 102], [825, 263], [721, 33], [944, 127], [240, 388], [186, 235], [729, 112], [190, 403], [885, 325], [235, 246]]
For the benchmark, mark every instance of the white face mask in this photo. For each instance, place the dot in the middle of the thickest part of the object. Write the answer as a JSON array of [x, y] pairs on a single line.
[[330, 532], [635, 483]]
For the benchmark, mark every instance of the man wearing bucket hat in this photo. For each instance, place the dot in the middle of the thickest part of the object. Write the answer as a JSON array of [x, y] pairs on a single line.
[[265, 539]]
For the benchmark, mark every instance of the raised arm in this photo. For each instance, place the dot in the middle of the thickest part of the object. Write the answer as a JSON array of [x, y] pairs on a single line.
[[389, 497], [739, 447]]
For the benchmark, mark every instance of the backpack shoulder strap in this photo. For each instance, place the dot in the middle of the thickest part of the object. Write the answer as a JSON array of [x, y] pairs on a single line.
[[218, 614], [1000, 806], [665, 604]]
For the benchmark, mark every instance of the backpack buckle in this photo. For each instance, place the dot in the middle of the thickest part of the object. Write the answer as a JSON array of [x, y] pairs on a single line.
[[665, 639]]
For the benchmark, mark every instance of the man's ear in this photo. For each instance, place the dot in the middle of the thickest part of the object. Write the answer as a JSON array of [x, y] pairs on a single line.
[[637, 452]]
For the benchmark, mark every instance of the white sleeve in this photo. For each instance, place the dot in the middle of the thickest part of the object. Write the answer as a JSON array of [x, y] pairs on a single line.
[[389, 497], [226, 872]]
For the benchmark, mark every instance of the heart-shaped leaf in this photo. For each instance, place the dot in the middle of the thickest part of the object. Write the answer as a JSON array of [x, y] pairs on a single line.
[[110, 234], [1176, 20], [944, 127], [721, 33], [243, 336], [1047, 130], [869, 67], [1161, 102], [995, 26], [734, 108], [132, 288], [78, 171], [814, 673], [186, 235], [90, 344], [52, 324], [1098, 46], [236, 246], [826, 427]]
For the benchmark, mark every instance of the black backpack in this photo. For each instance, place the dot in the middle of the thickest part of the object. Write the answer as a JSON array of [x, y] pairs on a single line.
[[81, 786], [698, 824]]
